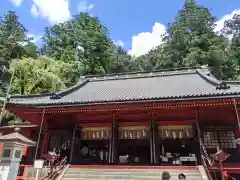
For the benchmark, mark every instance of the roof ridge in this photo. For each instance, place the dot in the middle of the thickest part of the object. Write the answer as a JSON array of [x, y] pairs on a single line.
[[150, 71], [210, 79], [232, 82], [146, 75], [31, 95], [60, 94]]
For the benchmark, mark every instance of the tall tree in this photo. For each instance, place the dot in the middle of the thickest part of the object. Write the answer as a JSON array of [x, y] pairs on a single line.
[[84, 39], [33, 76], [232, 30], [190, 41], [30, 50], [12, 36]]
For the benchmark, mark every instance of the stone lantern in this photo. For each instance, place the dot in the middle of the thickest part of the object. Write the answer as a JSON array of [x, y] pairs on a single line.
[[13, 147]]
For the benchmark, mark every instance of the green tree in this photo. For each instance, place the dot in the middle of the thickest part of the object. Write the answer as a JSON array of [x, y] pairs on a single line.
[[12, 36], [33, 76], [83, 39], [31, 50], [232, 30], [191, 41]]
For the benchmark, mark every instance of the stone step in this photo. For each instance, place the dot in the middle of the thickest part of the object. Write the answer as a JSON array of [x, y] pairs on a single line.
[[131, 170], [121, 175], [129, 178], [127, 174]]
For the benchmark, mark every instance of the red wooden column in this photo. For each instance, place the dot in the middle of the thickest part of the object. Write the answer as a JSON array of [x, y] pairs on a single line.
[[237, 115], [45, 143]]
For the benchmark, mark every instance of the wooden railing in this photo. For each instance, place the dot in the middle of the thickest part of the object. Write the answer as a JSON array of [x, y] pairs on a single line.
[[205, 160], [56, 169]]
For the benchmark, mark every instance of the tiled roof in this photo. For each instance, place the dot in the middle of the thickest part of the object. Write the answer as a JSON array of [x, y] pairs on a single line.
[[177, 84]]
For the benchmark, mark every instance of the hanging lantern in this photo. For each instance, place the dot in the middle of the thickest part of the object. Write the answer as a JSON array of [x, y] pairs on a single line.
[[93, 135]]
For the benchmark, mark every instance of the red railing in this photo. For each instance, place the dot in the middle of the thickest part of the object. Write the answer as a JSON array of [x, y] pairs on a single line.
[[56, 169], [52, 173]]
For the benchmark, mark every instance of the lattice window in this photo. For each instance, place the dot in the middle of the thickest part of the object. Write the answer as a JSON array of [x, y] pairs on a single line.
[[223, 139], [210, 139], [226, 139]]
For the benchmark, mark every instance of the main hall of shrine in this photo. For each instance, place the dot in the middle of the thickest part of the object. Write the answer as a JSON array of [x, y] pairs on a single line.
[[149, 117]]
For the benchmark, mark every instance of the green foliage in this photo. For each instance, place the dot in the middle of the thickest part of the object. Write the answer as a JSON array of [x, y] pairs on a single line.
[[31, 50], [41, 75], [85, 40], [12, 35], [232, 30], [191, 41]]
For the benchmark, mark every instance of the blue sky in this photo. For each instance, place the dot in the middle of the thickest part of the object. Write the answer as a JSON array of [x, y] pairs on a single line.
[[134, 24]]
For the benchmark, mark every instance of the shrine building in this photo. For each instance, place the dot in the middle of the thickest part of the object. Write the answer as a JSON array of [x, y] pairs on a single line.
[[153, 118]]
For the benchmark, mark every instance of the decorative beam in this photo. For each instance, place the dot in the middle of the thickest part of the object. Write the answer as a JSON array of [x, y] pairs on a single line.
[[134, 106]]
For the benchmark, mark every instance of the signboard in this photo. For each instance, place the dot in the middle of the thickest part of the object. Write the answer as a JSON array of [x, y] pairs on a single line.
[[38, 164]]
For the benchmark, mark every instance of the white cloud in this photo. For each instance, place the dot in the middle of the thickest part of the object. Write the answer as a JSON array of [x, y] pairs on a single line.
[[34, 10], [16, 2], [220, 22], [118, 43], [145, 41], [35, 38], [83, 6], [55, 11]]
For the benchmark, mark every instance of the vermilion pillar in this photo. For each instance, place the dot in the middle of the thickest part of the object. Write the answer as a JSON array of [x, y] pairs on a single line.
[[45, 143]]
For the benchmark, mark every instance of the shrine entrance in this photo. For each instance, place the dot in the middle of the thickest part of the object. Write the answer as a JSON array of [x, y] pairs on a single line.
[[178, 146], [134, 145], [94, 146]]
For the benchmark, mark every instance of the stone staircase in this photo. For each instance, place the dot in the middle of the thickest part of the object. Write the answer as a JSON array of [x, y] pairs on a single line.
[[132, 173]]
